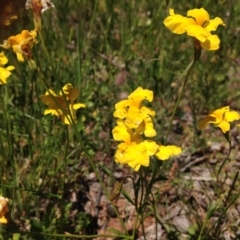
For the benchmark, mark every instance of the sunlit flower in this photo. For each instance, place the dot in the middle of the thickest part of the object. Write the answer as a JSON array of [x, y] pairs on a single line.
[[165, 152], [38, 7], [134, 114], [62, 104], [220, 118], [21, 44], [136, 155], [4, 71], [3, 209], [197, 24], [133, 150]]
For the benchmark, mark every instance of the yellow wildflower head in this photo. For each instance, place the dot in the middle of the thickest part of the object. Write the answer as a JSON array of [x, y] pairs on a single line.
[[59, 105], [133, 150], [136, 154], [4, 71], [21, 44], [197, 24], [3, 209], [220, 118], [134, 114]]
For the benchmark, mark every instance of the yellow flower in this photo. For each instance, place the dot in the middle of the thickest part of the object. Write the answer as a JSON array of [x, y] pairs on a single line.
[[21, 44], [3, 209], [197, 24], [134, 100], [165, 152], [135, 115], [221, 118], [59, 105], [136, 155], [133, 151], [4, 72]]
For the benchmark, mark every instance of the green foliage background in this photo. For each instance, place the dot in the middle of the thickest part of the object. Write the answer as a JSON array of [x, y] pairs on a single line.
[[106, 48]]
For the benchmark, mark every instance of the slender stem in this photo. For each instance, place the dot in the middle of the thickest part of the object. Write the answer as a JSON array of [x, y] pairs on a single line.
[[202, 228], [189, 69], [44, 46], [64, 177], [219, 222], [225, 160], [65, 236], [135, 226]]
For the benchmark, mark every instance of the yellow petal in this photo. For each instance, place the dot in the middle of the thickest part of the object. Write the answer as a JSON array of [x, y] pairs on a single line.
[[135, 165], [205, 121], [66, 119], [149, 128], [121, 111], [177, 23], [139, 95], [212, 43], [20, 57], [134, 117], [225, 126], [198, 32], [147, 111], [56, 112], [200, 15], [70, 92], [221, 112], [53, 100], [10, 68], [137, 154], [121, 134], [231, 116], [151, 147], [3, 220], [3, 59], [165, 152], [5, 73], [78, 105], [213, 24]]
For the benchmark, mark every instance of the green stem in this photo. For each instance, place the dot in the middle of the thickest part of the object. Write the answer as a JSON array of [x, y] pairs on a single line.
[[189, 69], [203, 227], [106, 236], [64, 177], [225, 160], [219, 222]]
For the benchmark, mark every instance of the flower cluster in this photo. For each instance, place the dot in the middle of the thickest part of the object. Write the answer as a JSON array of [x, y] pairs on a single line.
[[220, 118], [62, 104], [134, 125], [197, 24], [3, 209], [4, 71]]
